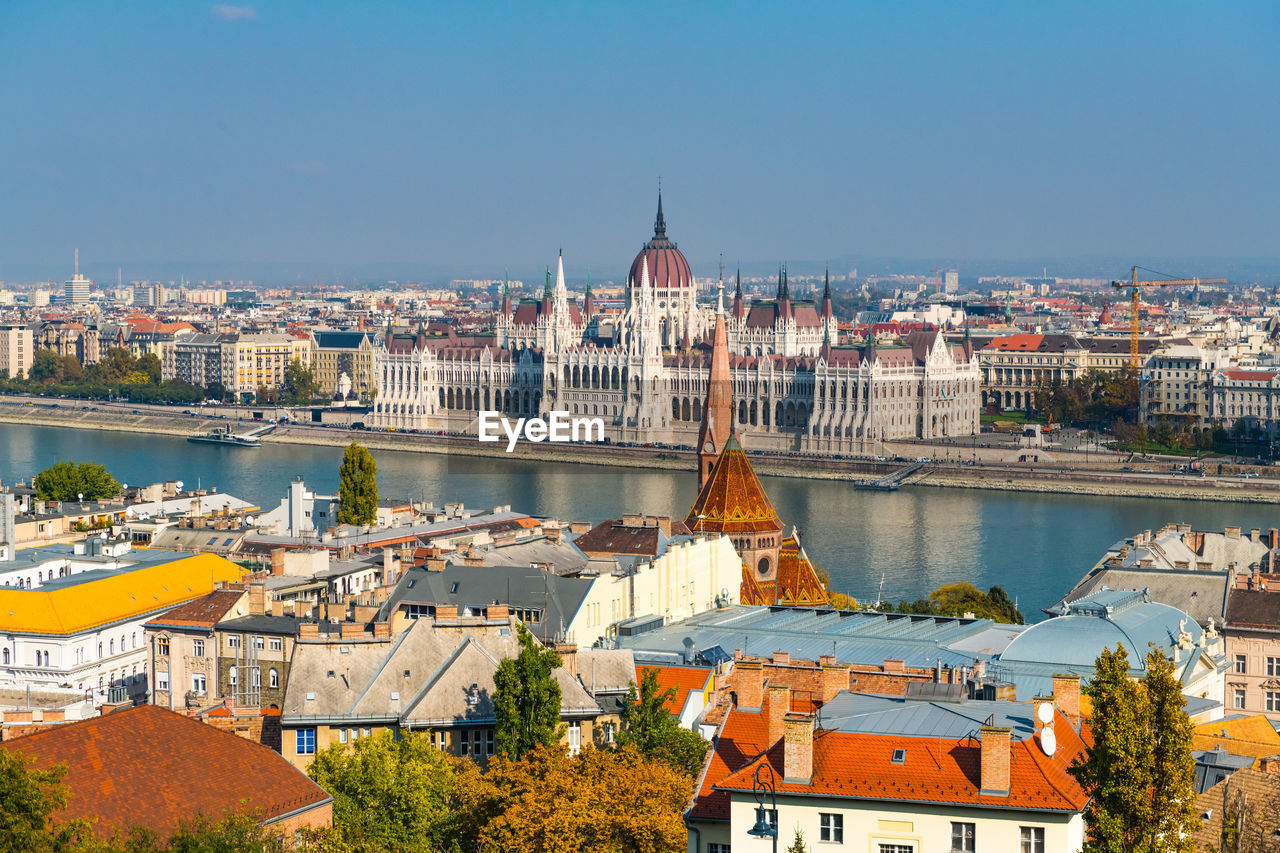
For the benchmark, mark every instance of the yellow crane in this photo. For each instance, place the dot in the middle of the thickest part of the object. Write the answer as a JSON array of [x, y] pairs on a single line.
[[1134, 325]]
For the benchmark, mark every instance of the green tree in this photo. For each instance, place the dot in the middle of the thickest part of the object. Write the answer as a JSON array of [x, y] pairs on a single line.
[[115, 366], [649, 726], [28, 800], [66, 481], [526, 699], [45, 366], [389, 794], [1173, 767], [300, 383], [149, 364], [1138, 770], [957, 599], [357, 487], [798, 845]]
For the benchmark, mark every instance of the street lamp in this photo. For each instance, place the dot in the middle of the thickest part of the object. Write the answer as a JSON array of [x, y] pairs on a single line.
[[764, 828]]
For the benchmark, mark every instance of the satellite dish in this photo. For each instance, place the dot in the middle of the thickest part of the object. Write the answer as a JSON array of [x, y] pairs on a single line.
[[248, 519], [177, 484], [724, 593], [1045, 713], [1048, 742]]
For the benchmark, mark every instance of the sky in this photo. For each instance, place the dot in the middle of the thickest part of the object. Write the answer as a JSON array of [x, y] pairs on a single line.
[[294, 139]]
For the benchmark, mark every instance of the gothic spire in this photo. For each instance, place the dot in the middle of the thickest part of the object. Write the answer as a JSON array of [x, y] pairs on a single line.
[[659, 224]]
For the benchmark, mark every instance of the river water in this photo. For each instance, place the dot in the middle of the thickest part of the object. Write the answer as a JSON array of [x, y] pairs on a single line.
[[914, 540]]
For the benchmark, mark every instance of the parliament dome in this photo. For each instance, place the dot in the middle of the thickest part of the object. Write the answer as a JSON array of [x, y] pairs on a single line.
[[668, 268]]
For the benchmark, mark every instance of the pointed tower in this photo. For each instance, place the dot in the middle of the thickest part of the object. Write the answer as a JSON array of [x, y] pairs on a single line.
[[717, 412], [738, 309]]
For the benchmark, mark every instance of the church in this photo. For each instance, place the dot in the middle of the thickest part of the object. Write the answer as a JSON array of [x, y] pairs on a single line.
[[795, 388]]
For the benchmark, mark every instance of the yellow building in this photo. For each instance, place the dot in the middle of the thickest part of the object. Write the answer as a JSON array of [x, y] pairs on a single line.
[[334, 353], [259, 361]]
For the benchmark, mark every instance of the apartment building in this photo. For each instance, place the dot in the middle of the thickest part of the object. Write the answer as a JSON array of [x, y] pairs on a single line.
[[184, 670], [1250, 398], [258, 360], [17, 349], [334, 353], [1175, 384]]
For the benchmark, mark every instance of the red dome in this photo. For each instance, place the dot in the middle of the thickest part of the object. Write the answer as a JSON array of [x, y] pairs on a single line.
[[667, 266]]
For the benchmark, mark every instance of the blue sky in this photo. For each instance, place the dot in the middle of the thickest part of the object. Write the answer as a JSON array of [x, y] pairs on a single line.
[[409, 138]]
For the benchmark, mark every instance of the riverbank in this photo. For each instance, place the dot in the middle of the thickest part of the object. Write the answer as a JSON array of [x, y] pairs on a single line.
[[1040, 477]]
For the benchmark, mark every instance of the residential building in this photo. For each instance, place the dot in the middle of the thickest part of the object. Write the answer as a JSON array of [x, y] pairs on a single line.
[[259, 360], [149, 768], [184, 650], [1247, 399], [254, 653], [17, 349], [1252, 631], [903, 774], [1175, 385], [334, 353], [198, 359], [1237, 813], [436, 675], [86, 627]]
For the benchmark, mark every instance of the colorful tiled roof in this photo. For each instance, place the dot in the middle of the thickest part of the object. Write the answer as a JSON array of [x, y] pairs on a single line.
[[732, 500], [149, 767], [683, 678], [77, 607]]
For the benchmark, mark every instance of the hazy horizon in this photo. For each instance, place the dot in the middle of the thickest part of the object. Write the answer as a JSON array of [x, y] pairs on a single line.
[[288, 142]]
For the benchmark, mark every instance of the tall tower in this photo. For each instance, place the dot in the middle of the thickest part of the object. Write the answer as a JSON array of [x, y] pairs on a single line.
[[717, 414], [76, 289]]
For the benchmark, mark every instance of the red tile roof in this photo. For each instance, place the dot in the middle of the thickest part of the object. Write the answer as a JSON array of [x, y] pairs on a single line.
[[204, 612], [1249, 375], [149, 767], [682, 678], [859, 766]]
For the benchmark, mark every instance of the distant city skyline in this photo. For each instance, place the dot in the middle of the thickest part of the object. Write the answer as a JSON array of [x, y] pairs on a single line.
[[288, 143]]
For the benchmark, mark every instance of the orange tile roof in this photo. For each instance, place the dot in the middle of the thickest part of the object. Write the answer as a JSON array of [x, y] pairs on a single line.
[[682, 678], [147, 766], [1250, 736], [1249, 375], [732, 499], [859, 766], [203, 612]]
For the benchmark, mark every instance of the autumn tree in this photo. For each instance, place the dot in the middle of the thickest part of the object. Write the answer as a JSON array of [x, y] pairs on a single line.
[[957, 599], [650, 728], [358, 486], [526, 698], [1138, 771], [66, 481], [300, 382], [598, 801], [389, 794]]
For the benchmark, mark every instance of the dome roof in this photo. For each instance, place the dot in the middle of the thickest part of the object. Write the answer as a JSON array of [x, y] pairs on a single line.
[[667, 266]]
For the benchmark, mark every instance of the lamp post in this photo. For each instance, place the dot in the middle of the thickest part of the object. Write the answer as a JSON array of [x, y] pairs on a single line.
[[762, 785]]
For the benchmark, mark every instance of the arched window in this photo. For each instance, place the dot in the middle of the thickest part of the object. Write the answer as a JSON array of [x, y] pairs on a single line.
[[6, 657], [273, 678], [113, 647]]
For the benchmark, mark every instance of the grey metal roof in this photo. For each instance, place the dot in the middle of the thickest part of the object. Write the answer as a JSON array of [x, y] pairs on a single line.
[[808, 633], [868, 713], [1200, 594], [565, 557], [479, 586]]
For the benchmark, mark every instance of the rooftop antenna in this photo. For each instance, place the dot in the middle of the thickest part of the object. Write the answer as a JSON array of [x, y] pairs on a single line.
[[880, 593]]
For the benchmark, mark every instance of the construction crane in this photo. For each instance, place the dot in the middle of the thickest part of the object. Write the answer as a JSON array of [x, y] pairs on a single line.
[[1134, 325]]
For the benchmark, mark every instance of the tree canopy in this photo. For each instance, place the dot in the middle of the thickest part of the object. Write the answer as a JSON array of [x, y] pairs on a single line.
[[526, 698], [1139, 769], [300, 383], [957, 599], [650, 728], [66, 481], [358, 486]]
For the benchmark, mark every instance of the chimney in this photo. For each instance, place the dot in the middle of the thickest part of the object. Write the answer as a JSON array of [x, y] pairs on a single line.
[[257, 599], [797, 749], [351, 631], [750, 684], [382, 630], [835, 678], [389, 573], [778, 708], [896, 667], [781, 658], [553, 534], [309, 630], [568, 657], [277, 561], [1066, 697], [1270, 764], [1275, 538], [446, 613], [994, 769], [436, 564]]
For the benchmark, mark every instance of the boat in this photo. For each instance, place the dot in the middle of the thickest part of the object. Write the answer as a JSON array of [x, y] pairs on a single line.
[[225, 437]]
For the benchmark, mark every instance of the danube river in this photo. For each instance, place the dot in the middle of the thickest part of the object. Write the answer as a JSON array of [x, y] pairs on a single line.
[[1035, 545]]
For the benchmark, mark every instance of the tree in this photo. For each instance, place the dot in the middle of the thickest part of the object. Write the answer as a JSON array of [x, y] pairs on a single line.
[[28, 799], [66, 481], [358, 487], [1138, 771], [300, 383], [45, 365], [649, 726], [599, 801], [389, 794], [115, 366], [1173, 766], [149, 364], [957, 599], [526, 698], [798, 845]]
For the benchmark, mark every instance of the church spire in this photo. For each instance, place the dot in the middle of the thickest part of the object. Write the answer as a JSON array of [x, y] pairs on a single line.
[[717, 413], [659, 224]]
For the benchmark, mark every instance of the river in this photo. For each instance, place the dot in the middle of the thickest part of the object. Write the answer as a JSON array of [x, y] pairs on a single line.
[[1035, 545]]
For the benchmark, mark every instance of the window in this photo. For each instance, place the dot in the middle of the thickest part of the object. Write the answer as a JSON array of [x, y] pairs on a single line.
[[276, 644], [712, 847], [162, 646], [575, 737], [831, 828], [198, 682], [233, 641], [197, 648], [162, 681], [895, 848], [273, 678], [1032, 839], [1240, 659], [1239, 699], [257, 642], [488, 742], [342, 735], [306, 742], [1273, 700], [962, 837], [1273, 666], [234, 675]]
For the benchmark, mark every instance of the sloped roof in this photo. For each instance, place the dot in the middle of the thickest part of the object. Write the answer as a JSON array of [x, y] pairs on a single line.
[[1254, 786], [1200, 594], [732, 499], [684, 679], [124, 594], [613, 536], [1253, 608], [203, 612], [147, 766], [1253, 736]]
